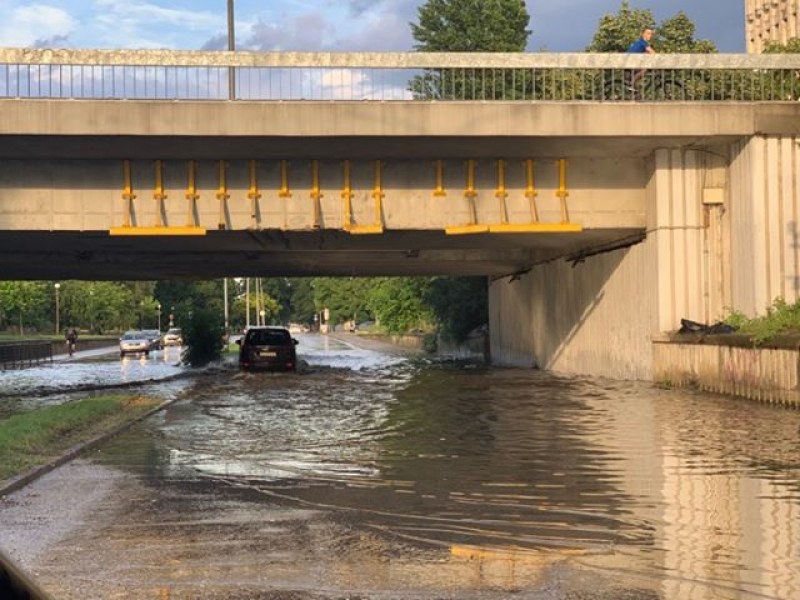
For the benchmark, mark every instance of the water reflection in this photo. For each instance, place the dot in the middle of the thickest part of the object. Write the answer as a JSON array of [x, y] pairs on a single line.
[[506, 473]]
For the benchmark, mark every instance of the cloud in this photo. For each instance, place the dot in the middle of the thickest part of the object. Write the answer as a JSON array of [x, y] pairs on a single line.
[[25, 25], [148, 25], [218, 42], [306, 31], [56, 41]]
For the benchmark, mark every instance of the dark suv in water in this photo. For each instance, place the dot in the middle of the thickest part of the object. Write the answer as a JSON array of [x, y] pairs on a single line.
[[267, 348]]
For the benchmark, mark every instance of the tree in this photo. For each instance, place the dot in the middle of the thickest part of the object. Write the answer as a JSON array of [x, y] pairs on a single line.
[[470, 26], [616, 32], [790, 47], [459, 305], [346, 298], [24, 301], [399, 303]]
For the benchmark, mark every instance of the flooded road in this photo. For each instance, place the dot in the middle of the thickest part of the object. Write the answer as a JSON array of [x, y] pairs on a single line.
[[379, 476], [57, 382]]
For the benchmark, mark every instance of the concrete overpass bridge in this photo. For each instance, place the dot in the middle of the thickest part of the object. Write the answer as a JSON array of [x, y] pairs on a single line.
[[602, 215]]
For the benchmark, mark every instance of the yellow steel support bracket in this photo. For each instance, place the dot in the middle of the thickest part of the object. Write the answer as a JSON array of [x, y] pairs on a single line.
[[158, 194], [316, 194], [469, 194], [530, 193], [377, 195], [159, 229], [347, 196], [439, 190], [253, 193], [222, 193], [284, 192]]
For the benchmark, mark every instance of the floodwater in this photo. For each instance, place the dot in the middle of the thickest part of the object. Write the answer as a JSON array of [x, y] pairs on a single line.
[[56, 382], [374, 475]]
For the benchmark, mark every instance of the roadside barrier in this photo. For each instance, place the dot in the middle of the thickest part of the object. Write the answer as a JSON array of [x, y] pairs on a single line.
[[16, 355]]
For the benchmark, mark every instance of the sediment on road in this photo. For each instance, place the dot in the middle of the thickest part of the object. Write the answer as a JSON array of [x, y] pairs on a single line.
[[32, 444]]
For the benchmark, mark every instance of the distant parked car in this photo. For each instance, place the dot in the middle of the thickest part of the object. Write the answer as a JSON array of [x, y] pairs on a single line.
[[154, 335], [270, 348], [134, 342], [173, 337]]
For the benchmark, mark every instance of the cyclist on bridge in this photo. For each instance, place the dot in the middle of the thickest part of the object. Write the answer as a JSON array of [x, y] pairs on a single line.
[[641, 46]]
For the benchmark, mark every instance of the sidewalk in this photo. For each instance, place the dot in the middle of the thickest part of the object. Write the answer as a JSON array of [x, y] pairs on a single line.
[[93, 353]]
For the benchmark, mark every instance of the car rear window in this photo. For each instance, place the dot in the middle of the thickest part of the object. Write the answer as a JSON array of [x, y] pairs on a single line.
[[266, 337]]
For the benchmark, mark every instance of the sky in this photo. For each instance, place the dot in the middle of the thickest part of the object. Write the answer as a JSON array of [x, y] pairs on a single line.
[[316, 25]]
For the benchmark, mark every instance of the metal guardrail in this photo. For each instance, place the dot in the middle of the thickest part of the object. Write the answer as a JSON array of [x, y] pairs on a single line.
[[282, 76], [15, 355]]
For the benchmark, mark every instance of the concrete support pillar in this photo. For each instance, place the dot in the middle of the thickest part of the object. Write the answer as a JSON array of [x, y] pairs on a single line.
[[598, 316], [686, 198], [765, 222]]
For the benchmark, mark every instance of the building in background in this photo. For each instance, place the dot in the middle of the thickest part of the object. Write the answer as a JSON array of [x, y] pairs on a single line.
[[771, 21]]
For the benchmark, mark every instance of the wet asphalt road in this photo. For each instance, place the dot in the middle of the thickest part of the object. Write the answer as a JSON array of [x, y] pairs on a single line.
[[375, 475]]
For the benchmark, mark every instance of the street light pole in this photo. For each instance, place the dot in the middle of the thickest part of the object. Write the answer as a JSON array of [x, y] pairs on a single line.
[[158, 306], [58, 325], [225, 293], [231, 48]]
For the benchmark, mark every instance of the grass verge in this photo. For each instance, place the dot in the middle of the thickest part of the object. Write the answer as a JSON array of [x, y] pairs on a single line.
[[35, 438]]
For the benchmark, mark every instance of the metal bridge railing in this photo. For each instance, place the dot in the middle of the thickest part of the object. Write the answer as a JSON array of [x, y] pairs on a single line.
[[14, 355], [523, 77]]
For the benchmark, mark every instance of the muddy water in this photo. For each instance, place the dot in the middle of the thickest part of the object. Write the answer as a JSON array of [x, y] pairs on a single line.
[[375, 476]]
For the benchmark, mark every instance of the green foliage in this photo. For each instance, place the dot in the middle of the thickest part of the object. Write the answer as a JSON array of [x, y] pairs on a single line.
[[459, 305], [780, 318], [25, 302], [790, 47], [346, 298], [616, 32], [203, 335], [430, 343], [471, 26], [399, 303]]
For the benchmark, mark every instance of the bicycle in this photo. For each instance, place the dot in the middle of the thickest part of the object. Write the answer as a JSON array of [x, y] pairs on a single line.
[[653, 85]]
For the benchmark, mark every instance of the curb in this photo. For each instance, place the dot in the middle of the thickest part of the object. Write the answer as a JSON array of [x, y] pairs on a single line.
[[20, 481]]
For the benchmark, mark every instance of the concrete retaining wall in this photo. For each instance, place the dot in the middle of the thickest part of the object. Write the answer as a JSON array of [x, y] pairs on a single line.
[[765, 374]]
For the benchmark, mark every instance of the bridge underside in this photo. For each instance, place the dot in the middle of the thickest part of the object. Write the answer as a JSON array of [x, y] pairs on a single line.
[[97, 255]]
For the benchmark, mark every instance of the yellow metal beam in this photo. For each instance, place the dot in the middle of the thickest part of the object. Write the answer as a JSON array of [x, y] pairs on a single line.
[[222, 193], [156, 231], [530, 190], [469, 193], [378, 195], [316, 194], [191, 194], [439, 190], [284, 192], [466, 229], [253, 193], [158, 194], [562, 192], [347, 196], [127, 192], [501, 193]]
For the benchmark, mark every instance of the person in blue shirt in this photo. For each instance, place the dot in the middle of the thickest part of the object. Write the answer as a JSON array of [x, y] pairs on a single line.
[[641, 46]]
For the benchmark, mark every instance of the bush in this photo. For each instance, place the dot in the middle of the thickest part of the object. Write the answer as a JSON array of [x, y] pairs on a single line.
[[780, 318], [430, 343], [203, 336]]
